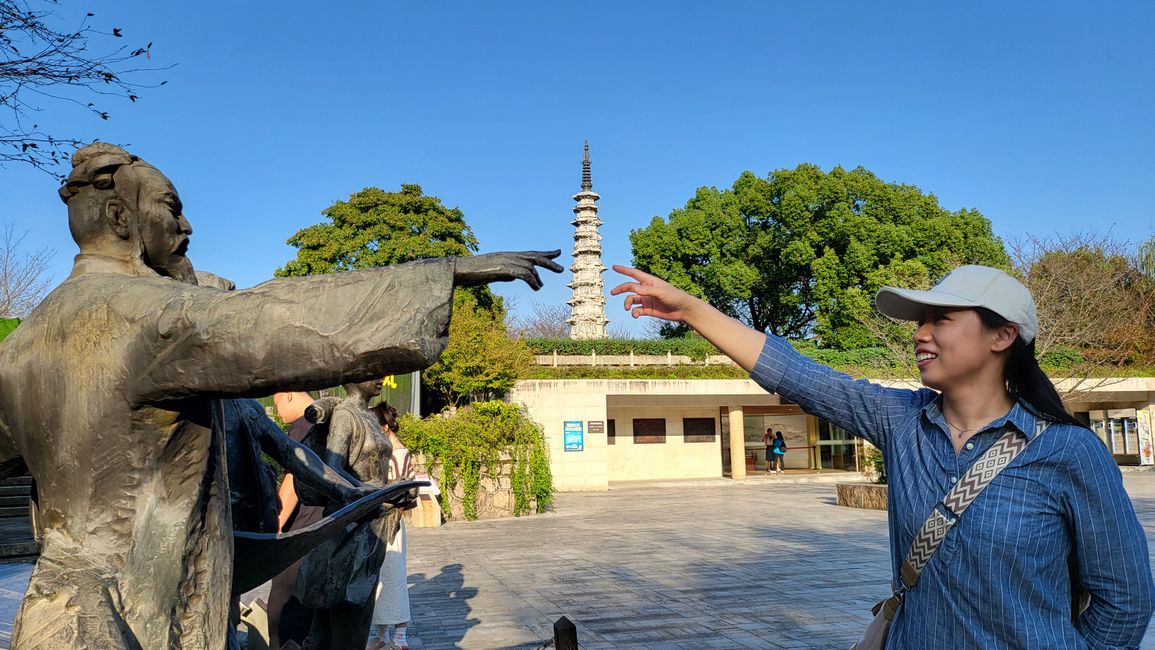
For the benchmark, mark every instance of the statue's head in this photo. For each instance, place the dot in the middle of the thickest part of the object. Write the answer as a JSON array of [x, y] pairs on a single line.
[[366, 389], [122, 206]]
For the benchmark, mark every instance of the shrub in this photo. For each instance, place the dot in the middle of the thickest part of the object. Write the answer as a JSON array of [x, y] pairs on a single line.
[[873, 466], [1061, 357]]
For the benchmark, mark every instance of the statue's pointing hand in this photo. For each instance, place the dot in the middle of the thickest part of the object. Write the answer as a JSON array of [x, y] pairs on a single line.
[[504, 267]]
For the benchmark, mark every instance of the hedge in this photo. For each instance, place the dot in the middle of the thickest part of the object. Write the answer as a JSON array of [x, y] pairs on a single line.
[[685, 371], [695, 347], [865, 358]]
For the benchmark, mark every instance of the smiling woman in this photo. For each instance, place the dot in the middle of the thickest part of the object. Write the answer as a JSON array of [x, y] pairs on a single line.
[[975, 343], [1045, 508]]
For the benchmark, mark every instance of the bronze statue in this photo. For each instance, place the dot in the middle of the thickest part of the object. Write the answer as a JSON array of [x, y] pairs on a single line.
[[339, 577], [106, 392]]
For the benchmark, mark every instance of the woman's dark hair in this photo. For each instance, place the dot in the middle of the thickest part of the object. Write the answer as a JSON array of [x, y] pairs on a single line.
[[777, 434], [386, 415], [1026, 381]]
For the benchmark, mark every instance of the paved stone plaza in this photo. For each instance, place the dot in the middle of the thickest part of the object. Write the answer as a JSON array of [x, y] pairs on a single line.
[[713, 564]]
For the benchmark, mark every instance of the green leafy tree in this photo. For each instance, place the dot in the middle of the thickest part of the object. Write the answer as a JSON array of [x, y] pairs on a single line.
[[7, 325], [802, 252], [377, 228], [481, 360]]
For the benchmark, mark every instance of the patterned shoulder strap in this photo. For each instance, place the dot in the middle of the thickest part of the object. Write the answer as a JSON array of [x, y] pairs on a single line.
[[947, 512]]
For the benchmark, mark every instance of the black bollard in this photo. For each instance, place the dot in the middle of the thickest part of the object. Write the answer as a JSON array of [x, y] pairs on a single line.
[[565, 634]]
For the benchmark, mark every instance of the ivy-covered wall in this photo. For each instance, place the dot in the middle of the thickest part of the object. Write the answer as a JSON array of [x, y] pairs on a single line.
[[489, 459]]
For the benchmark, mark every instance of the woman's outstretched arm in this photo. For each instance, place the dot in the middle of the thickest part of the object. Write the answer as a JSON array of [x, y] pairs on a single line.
[[651, 296], [860, 407]]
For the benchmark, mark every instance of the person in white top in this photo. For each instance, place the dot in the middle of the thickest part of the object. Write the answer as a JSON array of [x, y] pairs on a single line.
[[392, 599]]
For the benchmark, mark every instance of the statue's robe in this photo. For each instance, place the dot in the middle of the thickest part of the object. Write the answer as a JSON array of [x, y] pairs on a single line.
[[105, 392]]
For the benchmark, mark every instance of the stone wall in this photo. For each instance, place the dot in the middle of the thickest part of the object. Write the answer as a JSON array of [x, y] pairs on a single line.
[[862, 495], [494, 493]]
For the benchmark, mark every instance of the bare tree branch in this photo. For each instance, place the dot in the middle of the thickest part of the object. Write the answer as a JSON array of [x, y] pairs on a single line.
[[24, 277], [897, 337], [1094, 304], [41, 63], [547, 322]]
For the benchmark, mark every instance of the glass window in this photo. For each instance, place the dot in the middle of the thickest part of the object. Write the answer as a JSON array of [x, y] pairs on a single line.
[[648, 431], [611, 432], [827, 431], [838, 456], [699, 429], [837, 449]]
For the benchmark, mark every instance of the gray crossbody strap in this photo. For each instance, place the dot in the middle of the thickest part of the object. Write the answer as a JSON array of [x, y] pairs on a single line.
[[947, 512]]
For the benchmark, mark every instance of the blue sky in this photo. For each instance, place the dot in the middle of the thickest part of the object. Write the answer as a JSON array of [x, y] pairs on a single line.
[[1040, 115]]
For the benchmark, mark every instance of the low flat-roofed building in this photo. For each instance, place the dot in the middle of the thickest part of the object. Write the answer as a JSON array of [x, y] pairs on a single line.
[[603, 430]]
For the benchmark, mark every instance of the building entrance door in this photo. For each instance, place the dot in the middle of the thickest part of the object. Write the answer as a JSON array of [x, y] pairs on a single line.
[[787, 418]]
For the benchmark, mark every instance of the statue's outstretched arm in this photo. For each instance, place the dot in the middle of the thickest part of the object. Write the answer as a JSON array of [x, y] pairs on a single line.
[[504, 267], [294, 333], [313, 332]]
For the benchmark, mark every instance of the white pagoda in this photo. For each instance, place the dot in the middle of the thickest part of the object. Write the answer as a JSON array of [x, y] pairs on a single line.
[[588, 304]]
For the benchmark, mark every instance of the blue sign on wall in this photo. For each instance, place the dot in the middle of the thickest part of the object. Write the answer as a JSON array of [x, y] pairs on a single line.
[[574, 436]]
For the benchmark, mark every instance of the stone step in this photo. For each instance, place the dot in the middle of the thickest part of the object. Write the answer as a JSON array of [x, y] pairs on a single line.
[[16, 541], [23, 491], [13, 501], [17, 480], [13, 511], [18, 551]]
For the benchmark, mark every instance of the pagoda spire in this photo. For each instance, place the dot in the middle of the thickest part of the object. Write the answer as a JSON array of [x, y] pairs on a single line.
[[588, 304], [587, 182]]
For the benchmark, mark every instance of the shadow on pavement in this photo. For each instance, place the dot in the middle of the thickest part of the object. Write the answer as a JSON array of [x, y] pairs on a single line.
[[440, 607]]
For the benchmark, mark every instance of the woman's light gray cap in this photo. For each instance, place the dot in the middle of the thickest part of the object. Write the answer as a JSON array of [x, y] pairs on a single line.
[[967, 286]]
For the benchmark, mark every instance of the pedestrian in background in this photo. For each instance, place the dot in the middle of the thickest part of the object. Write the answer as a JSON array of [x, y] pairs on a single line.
[[289, 619], [768, 441], [391, 607], [778, 451]]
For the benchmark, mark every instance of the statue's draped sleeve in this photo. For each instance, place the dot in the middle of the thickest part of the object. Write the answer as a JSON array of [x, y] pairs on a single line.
[[298, 333]]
